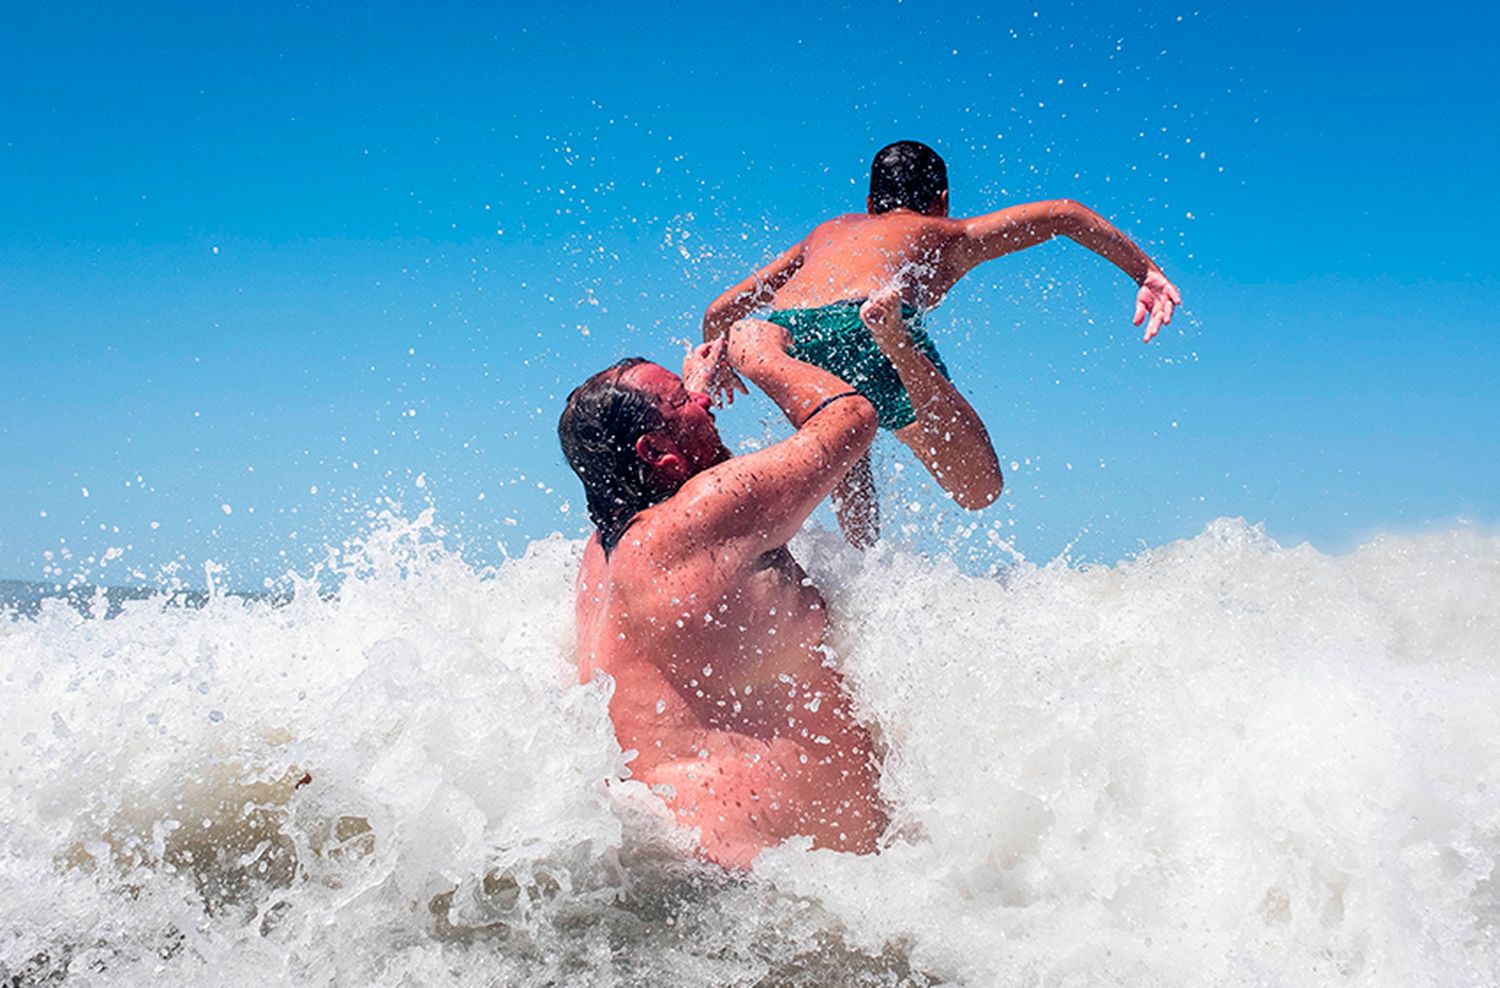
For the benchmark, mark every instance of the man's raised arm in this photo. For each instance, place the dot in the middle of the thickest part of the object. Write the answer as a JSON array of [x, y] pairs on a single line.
[[1018, 227], [763, 498]]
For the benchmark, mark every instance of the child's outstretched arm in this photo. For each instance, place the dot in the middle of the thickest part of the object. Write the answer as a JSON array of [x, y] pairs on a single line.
[[734, 305], [750, 294], [1008, 230]]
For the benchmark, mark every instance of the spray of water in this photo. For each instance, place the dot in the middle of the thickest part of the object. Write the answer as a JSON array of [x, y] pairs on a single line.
[[1224, 762]]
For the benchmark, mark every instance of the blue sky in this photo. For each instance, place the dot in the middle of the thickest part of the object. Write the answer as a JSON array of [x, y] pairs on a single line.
[[302, 261]]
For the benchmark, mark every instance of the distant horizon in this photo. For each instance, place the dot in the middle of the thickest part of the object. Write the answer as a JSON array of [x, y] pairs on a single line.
[[194, 583]]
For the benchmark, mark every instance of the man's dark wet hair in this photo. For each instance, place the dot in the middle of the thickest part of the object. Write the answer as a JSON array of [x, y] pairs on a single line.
[[906, 175], [598, 430]]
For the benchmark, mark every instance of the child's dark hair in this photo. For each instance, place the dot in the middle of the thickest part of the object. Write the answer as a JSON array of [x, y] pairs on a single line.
[[906, 175], [598, 430]]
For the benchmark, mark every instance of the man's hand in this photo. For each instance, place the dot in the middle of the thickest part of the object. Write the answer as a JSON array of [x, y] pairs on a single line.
[[753, 340], [706, 369], [1159, 297], [881, 315]]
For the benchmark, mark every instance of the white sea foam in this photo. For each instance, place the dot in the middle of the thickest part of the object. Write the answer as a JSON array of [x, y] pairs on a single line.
[[1225, 762]]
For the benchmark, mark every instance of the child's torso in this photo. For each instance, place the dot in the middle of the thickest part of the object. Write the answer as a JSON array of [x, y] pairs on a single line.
[[853, 256]]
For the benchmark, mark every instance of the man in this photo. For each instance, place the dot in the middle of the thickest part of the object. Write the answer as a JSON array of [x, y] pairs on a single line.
[[690, 600], [903, 255]]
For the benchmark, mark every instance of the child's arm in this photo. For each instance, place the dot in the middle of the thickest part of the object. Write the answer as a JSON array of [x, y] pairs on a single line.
[[1008, 230], [734, 305], [750, 294]]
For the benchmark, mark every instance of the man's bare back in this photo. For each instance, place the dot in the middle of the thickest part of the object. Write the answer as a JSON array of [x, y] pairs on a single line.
[[714, 637]]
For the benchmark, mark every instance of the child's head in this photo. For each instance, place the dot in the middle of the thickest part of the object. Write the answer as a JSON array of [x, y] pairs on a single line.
[[908, 175]]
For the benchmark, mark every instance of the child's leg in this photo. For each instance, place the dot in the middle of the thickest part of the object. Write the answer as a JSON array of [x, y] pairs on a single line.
[[857, 505], [958, 454], [947, 436]]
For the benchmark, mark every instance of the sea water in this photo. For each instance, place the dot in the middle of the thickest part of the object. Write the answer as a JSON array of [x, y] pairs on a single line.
[[1225, 762]]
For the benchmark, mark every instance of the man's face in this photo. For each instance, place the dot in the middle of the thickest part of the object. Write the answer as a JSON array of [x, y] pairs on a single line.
[[688, 441]]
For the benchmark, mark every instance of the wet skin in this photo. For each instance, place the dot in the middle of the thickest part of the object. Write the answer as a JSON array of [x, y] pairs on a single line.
[[854, 256], [911, 256], [715, 643]]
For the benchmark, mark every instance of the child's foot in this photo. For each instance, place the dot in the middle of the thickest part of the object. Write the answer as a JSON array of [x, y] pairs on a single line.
[[881, 314]]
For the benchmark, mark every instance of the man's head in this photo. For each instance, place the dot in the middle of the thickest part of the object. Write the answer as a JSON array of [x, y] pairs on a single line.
[[634, 435], [908, 175]]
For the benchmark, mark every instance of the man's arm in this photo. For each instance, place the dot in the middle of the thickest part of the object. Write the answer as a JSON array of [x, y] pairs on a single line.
[[1003, 232], [759, 501]]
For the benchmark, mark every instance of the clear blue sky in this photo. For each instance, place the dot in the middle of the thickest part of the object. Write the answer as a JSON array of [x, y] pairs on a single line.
[[290, 259]]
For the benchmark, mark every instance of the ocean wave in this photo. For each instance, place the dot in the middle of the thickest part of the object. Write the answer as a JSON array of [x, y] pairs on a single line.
[[1223, 762]]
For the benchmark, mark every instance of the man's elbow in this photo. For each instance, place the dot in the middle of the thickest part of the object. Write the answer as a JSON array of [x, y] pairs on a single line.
[[866, 422], [848, 421]]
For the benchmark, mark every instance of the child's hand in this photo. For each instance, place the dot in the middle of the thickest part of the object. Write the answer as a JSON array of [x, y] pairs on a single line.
[[1159, 297], [724, 384], [706, 369]]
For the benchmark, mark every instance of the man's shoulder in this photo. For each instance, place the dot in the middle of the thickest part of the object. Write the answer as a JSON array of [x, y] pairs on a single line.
[[683, 534]]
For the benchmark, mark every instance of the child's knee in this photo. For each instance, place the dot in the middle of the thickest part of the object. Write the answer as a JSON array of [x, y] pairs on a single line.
[[979, 496], [982, 489]]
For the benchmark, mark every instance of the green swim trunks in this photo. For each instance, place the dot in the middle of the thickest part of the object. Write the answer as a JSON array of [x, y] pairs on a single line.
[[834, 338]]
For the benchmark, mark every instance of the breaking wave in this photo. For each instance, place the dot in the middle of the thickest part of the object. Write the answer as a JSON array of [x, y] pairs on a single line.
[[1223, 762]]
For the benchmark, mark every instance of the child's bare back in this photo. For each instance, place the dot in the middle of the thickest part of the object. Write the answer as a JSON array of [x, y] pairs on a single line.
[[855, 255]]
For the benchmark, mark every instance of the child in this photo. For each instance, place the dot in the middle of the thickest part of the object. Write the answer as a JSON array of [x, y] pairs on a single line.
[[852, 296]]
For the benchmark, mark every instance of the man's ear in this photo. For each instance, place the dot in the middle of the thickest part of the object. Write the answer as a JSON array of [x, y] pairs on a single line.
[[870, 205], [656, 450], [939, 205]]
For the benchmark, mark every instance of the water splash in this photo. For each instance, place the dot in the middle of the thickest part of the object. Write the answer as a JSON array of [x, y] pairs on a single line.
[[1224, 762]]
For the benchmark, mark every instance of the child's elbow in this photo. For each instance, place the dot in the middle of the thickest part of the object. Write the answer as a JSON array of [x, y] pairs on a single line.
[[717, 319], [1069, 215]]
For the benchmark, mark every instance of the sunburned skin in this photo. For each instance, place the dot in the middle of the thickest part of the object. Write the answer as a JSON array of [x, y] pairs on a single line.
[[722, 691], [714, 637]]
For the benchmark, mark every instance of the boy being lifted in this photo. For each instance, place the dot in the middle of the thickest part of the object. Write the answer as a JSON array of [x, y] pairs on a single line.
[[852, 295]]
